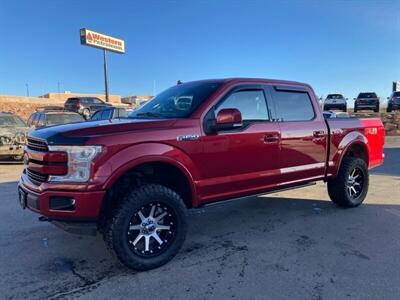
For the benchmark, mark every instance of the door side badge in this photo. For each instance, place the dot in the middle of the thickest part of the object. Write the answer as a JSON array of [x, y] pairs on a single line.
[[187, 137]]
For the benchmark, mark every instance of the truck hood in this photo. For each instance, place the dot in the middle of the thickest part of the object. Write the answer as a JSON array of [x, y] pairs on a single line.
[[79, 133]]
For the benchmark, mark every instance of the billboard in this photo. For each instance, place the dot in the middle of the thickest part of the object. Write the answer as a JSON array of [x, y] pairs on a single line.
[[99, 40]]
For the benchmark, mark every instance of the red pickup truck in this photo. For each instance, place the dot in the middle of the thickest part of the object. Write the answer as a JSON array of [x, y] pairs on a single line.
[[199, 142]]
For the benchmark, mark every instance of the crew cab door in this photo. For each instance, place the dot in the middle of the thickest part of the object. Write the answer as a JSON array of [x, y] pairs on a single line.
[[304, 134], [242, 160]]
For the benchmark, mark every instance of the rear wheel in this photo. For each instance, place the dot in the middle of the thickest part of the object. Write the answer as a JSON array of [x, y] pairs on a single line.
[[350, 187], [148, 228]]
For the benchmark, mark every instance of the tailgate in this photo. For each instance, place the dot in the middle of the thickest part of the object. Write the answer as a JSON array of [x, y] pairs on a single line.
[[375, 134]]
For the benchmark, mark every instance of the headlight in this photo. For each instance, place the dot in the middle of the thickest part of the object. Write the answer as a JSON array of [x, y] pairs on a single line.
[[79, 162]]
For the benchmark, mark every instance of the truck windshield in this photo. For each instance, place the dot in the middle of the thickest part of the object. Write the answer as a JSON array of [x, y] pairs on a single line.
[[55, 119], [178, 101]]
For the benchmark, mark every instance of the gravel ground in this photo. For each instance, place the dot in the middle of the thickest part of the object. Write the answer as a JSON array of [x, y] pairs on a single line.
[[288, 245]]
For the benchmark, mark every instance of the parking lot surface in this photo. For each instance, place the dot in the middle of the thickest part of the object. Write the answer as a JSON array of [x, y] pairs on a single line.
[[289, 245]]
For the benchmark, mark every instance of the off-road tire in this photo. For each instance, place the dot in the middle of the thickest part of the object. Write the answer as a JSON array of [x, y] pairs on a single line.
[[355, 108], [376, 109], [337, 188], [345, 109], [117, 224], [389, 109]]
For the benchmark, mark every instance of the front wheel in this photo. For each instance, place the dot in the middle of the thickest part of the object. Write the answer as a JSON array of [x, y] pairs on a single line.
[[389, 109], [148, 228], [350, 187]]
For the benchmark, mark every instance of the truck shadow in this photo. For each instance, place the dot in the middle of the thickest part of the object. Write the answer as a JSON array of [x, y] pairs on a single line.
[[222, 238]]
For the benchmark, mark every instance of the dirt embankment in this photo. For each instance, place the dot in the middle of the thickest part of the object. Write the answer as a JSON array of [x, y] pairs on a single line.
[[25, 106]]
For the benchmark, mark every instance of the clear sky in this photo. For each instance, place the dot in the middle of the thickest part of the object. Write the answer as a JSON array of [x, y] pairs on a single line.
[[336, 46]]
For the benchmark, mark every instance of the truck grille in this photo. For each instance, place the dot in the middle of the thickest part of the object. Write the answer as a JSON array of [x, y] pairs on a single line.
[[37, 145], [36, 177]]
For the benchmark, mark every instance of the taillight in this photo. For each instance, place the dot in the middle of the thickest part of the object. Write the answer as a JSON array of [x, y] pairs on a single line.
[[78, 105]]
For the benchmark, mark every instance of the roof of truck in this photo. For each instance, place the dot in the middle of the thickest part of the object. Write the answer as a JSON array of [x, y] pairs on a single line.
[[249, 79]]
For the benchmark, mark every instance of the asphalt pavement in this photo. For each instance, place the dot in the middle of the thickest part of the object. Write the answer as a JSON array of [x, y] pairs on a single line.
[[289, 245]]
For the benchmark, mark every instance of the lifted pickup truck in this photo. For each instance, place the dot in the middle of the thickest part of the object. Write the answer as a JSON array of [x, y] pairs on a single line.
[[195, 143]]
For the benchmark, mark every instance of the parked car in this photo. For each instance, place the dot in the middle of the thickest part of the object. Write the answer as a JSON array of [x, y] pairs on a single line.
[[366, 101], [13, 131], [335, 101], [85, 106], [393, 102], [49, 116], [135, 178], [110, 113]]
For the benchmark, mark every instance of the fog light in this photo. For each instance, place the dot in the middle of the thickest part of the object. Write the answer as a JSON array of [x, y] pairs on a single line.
[[62, 203]]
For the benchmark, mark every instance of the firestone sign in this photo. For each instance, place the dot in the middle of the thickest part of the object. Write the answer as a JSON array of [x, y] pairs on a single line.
[[99, 40]]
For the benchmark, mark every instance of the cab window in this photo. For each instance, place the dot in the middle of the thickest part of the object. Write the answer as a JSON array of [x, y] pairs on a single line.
[[251, 104], [293, 105]]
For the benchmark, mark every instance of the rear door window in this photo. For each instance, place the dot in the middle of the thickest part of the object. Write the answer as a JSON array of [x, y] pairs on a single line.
[[293, 105], [72, 101]]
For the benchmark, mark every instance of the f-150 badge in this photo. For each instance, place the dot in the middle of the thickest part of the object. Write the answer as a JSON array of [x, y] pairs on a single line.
[[187, 137]]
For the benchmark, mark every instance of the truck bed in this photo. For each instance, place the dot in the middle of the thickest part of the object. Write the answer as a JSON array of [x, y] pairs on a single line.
[[369, 131]]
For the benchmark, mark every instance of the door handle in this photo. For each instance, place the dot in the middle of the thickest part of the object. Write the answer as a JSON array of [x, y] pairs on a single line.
[[271, 138], [319, 133]]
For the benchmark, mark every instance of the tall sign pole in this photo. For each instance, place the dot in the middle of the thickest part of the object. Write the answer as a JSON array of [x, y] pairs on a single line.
[[105, 74], [99, 40]]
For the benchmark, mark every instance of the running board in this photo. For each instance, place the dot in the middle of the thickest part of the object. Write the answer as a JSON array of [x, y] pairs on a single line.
[[259, 194]]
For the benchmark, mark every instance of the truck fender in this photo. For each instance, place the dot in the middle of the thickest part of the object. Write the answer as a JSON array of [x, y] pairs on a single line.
[[135, 155], [350, 140]]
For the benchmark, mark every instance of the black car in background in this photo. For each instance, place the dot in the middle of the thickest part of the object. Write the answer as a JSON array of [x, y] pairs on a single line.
[[110, 113], [85, 106], [48, 116], [393, 102], [366, 101]]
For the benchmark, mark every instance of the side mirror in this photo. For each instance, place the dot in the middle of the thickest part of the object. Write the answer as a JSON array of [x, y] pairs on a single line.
[[347, 99], [387, 98], [228, 118], [354, 98]]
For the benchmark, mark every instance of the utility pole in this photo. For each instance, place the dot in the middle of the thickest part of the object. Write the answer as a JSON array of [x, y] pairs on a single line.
[[27, 89], [105, 74]]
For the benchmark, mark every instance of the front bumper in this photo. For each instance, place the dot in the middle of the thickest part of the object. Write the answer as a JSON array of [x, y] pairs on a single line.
[[11, 150], [87, 204]]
